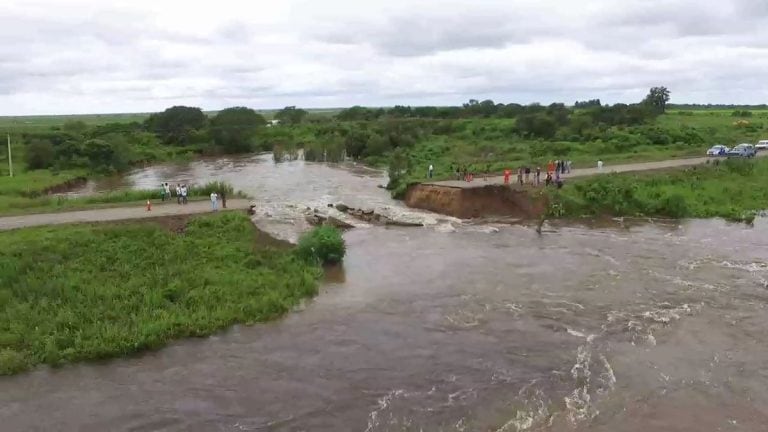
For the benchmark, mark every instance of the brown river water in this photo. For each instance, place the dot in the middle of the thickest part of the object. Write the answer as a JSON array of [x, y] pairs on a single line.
[[645, 326]]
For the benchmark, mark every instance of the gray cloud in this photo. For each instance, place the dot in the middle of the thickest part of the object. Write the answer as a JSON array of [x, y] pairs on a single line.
[[88, 56]]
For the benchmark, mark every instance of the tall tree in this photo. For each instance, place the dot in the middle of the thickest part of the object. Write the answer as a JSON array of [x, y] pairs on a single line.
[[174, 124], [233, 129], [658, 98], [291, 115]]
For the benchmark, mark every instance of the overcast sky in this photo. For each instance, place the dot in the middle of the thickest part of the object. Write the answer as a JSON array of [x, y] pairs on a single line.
[[68, 56]]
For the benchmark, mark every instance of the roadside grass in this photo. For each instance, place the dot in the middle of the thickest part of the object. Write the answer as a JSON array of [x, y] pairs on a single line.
[[88, 292], [21, 204], [734, 190]]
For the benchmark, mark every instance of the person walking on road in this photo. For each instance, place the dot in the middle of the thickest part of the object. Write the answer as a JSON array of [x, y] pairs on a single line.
[[162, 192], [431, 170], [507, 173], [214, 201], [184, 192], [178, 193], [599, 165], [166, 191]]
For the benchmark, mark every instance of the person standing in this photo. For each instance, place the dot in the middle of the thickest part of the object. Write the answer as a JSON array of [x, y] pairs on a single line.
[[214, 201], [162, 192], [166, 191], [507, 173], [538, 176], [599, 165], [184, 192], [520, 176], [223, 196], [550, 167], [527, 174], [431, 170], [568, 167], [178, 193]]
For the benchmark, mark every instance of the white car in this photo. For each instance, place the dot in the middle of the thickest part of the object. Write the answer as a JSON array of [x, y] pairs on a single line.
[[718, 150], [761, 145]]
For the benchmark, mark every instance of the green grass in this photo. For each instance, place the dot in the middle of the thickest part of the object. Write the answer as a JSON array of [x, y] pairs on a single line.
[[34, 183], [25, 201], [88, 292], [733, 190]]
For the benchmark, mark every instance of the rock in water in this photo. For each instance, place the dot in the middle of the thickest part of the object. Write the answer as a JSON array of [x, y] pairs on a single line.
[[342, 208], [338, 223]]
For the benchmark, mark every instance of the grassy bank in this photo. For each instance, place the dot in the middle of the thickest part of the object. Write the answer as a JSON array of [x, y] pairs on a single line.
[[733, 190], [25, 202], [96, 291]]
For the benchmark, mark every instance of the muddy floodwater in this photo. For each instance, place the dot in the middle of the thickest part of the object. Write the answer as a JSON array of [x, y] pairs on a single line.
[[643, 326]]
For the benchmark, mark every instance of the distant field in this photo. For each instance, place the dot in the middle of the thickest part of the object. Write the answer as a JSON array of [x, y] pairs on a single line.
[[18, 123], [24, 122]]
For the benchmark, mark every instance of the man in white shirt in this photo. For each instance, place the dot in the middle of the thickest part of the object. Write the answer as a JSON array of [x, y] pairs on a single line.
[[183, 194], [431, 170], [214, 201], [178, 193]]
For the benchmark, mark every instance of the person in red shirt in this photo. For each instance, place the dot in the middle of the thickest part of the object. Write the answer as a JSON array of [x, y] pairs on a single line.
[[507, 173], [551, 167]]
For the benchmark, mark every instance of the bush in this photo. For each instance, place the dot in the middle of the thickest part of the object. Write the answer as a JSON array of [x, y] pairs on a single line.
[[322, 244], [40, 154], [214, 186]]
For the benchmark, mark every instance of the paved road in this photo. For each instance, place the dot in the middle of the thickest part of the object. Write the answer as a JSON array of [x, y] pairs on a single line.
[[583, 172], [113, 214]]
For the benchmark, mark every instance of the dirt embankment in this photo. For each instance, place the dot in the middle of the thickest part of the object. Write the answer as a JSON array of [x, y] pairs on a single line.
[[468, 203], [65, 186]]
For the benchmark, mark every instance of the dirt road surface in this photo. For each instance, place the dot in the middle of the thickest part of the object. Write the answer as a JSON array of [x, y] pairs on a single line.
[[114, 214], [583, 172]]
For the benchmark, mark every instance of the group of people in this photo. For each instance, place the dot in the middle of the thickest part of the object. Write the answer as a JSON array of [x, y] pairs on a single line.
[[559, 167], [525, 175], [182, 195]]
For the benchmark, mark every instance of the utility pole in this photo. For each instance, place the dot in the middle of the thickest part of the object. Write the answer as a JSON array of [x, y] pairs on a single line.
[[10, 160]]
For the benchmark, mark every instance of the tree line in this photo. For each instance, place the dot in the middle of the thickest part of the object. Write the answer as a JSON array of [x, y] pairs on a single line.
[[114, 147]]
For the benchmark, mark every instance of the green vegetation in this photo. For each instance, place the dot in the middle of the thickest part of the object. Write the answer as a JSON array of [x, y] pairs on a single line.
[[322, 245], [22, 201], [90, 292], [733, 190]]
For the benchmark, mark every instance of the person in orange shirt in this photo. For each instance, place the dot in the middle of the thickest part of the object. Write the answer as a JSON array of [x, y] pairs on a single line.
[[551, 167], [507, 173]]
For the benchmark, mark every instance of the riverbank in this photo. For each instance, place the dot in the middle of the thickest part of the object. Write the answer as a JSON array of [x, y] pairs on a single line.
[[734, 190], [87, 292], [729, 189]]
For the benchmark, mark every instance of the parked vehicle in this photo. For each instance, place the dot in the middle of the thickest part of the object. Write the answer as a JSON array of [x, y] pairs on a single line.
[[718, 150], [742, 150], [761, 145]]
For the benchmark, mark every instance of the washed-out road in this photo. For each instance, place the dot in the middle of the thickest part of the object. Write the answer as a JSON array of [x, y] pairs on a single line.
[[114, 214], [584, 172], [172, 209]]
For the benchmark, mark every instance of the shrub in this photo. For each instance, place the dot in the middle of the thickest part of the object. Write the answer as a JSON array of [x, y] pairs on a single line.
[[40, 154], [322, 244], [673, 205]]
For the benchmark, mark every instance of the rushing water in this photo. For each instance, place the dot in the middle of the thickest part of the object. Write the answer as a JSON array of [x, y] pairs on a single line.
[[614, 327]]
